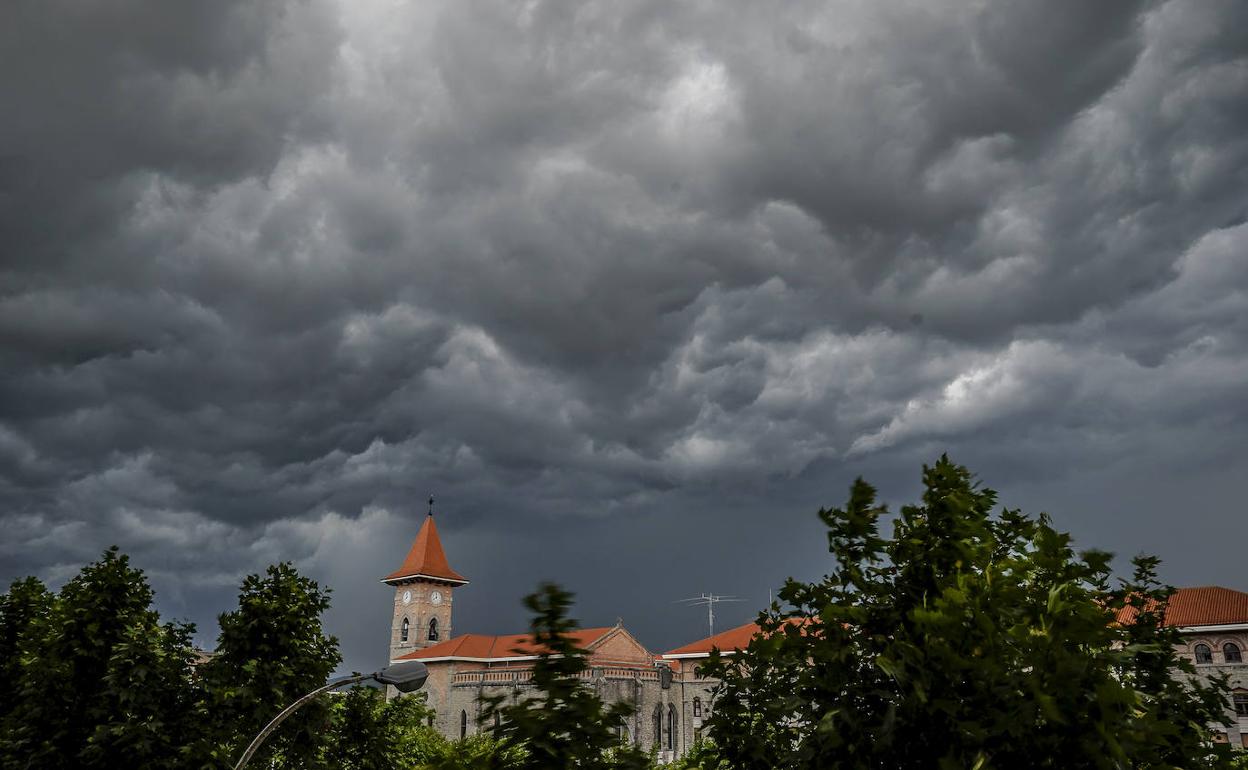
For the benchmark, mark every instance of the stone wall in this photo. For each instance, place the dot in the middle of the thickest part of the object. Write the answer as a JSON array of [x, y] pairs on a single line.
[[418, 613], [1236, 673], [456, 692]]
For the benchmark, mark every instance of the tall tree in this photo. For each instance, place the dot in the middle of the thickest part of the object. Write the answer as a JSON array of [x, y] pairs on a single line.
[[561, 722], [271, 651], [967, 640], [101, 681]]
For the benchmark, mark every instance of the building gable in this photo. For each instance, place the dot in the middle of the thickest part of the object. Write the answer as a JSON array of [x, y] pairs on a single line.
[[619, 646]]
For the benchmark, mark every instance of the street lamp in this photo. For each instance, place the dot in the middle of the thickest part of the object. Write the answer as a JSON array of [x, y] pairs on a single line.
[[408, 676]]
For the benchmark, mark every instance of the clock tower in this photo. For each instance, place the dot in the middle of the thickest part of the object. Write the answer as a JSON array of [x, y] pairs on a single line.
[[422, 593]]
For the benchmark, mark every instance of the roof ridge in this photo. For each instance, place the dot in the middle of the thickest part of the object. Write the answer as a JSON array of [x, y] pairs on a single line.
[[497, 646]]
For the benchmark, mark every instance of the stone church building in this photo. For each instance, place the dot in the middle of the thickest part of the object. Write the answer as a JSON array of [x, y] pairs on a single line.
[[671, 701]]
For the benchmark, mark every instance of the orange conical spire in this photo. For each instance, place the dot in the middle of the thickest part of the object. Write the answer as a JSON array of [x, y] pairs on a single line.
[[426, 557]]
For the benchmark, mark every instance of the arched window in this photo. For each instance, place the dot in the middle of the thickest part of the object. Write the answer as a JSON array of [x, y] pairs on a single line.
[[1203, 653], [1230, 651], [433, 629], [697, 707], [658, 726], [671, 727], [403, 630], [463, 724]]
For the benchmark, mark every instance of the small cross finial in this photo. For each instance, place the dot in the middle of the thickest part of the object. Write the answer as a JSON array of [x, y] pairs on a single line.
[[430, 505]]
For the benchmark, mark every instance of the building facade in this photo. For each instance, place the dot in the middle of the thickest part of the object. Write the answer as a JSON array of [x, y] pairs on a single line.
[[1214, 624], [671, 701]]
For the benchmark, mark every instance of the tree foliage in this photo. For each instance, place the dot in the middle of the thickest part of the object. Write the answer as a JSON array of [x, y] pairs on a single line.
[[99, 680], [474, 753], [367, 732], [701, 755], [966, 640], [562, 723], [271, 651], [26, 602]]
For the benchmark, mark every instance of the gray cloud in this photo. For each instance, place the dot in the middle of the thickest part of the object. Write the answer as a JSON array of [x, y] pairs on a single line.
[[633, 287]]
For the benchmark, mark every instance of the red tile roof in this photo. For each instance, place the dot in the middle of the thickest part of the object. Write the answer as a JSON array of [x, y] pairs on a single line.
[[482, 647], [426, 558], [726, 641], [1201, 606]]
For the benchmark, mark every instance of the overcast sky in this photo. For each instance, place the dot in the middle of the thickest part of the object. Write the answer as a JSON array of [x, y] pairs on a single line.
[[632, 287]]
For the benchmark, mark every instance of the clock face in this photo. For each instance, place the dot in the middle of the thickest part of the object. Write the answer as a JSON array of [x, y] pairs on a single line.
[[407, 597], [436, 597]]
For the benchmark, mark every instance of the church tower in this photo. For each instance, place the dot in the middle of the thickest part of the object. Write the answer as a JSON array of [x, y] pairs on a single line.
[[422, 593]]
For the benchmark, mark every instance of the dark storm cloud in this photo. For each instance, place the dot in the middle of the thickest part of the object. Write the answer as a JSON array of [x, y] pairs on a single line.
[[633, 287], [97, 94]]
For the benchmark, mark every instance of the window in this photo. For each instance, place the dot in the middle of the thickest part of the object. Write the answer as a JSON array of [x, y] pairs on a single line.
[[403, 630], [1230, 651], [1240, 699], [671, 727], [433, 629], [463, 724], [498, 723], [1203, 653], [657, 719], [697, 707]]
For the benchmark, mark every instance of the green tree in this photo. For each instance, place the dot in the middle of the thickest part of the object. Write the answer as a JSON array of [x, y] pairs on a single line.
[[967, 640], [702, 755], [562, 723], [1179, 707], [475, 752], [26, 602], [367, 732], [101, 681], [271, 651]]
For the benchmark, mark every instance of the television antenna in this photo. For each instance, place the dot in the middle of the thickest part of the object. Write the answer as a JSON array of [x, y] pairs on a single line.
[[710, 600]]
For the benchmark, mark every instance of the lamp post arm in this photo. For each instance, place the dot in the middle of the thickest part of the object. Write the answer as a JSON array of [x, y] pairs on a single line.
[[292, 708]]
